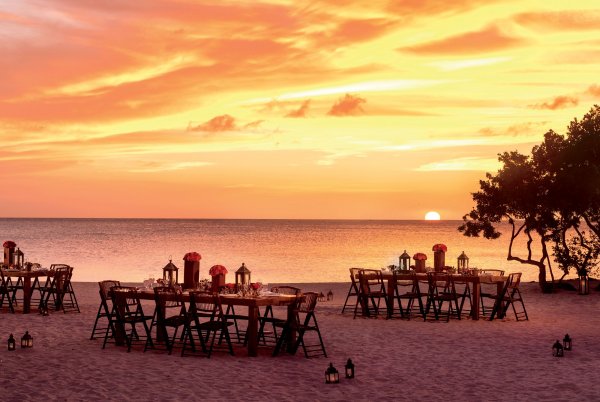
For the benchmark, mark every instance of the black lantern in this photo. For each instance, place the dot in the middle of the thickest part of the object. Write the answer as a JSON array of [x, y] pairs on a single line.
[[463, 263], [12, 345], [404, 262], [19, 258], [26, 341], [557, 349], [242, 276], [349, 369], [321, 297], [171, 273], [329, 295], [567, 342], [331, 375], [584, 284]]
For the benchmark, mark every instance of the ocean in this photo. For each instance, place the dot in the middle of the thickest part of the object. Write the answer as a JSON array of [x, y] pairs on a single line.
[[276, 251]]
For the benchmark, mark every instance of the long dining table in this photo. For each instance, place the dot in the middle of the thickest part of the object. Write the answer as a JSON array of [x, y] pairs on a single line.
[[252, 303], [26, 276], [474, 280]]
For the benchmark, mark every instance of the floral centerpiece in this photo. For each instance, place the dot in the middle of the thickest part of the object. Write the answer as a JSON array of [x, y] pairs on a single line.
[[420, 259], [439, 257], [218, 273], [192, 256], [9, 244]]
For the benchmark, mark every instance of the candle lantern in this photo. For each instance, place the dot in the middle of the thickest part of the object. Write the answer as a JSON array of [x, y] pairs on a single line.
[[557, 349], [349, 369], [567, 342], [170, 273], [242, 276], [26, 341], [584, 284], [191, 270], [404, 262], [463, 263], [19, 258], [329, 295], [12, 345], [321, 297], [331, 375]]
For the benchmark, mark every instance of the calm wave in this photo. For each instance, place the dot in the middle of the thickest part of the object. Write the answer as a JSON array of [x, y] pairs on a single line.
[[274, 250]]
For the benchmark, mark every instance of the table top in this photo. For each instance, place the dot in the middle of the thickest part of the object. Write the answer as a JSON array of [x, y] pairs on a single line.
[[234, 299], [460, 277], [26, 274]]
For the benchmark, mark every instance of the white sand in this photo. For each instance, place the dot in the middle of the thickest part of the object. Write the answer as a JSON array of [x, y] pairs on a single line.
[[395, 359]]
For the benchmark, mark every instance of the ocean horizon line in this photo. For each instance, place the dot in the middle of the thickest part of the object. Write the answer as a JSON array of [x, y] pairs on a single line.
[[239, 219]]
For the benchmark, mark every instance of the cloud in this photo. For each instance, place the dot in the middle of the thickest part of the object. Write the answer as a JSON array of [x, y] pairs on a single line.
[[561, 20], [153, 167], [349, 105], [223, 123], [560, 102], [485, 40], [301, 111], [461, 164], [593, 90], [515, 130]]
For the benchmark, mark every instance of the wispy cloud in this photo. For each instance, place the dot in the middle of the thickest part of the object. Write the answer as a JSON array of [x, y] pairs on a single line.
[[222, 123], [450, 65], [301, 111], [153, 167], [560, 102], [461, 164]]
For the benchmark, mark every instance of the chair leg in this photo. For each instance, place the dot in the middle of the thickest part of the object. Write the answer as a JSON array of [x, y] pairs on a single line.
[[98, 315]]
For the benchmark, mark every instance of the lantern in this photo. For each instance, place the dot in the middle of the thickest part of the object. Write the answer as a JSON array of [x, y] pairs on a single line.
[[404, 262], [321, 297], [349, 369], [557, 349], [12, 345], [329, 295], [242, 276], [19, 258], [26, 341], [170, 273], [331, 375], [463, 263], [584, 284], [567, 342]]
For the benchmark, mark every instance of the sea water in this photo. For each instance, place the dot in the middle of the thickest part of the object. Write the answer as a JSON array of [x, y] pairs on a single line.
[[276, 251]]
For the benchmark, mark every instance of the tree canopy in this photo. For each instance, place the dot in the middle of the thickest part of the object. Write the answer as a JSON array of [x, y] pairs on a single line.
[[551, 198]]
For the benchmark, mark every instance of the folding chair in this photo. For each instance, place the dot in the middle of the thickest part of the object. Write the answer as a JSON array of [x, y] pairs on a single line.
[[167, 299], [103, 309], [509, 297], [205, 318], [441, 290], [371, 290], [5, 292], [269, 337], [125, 317], [409, 291], [353, 290], [55, 288]]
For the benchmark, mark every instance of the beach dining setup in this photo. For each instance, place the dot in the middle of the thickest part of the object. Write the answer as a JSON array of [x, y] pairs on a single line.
[[437, 293], [198, 317], [27, 287]]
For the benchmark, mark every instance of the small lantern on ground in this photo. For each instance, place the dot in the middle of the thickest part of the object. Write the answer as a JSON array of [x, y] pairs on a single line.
[[321, 297], [567, 342], [170, 273], [404, 262], [584, 284], [331, 375], [12, 344], [19, 258], [557, 349], [26, 341], [242, 276], [349, 369], [463, 263], [329, 296]]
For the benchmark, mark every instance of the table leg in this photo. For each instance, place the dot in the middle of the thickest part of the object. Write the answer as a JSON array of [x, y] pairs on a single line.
[[26, 294], [291, 336], [476, 299], [252, 331], [390, 298], [499, 289]]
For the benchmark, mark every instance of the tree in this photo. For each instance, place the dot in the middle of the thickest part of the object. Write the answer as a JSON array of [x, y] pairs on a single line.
[[549, 198]]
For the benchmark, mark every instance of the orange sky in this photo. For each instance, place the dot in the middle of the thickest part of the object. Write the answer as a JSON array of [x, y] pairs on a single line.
[[280, 109]]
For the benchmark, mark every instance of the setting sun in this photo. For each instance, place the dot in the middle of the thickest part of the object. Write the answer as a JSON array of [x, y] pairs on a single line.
[[432, 216]]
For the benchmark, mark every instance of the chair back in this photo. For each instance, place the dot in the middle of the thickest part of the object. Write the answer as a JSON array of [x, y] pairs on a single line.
[[167, 297], [205, 305], [105, 288], [498, 272], [371, 280], [286, 290], [513, 281], [439, 282], [125, 301], [308, 302], [354, 275]]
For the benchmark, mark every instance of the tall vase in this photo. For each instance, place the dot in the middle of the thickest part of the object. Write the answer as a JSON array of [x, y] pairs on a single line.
[[439, 260], [9, 256], [191, 274], [218, 281]]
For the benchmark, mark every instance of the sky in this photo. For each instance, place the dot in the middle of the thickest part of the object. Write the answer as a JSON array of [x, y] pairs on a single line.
[[324, 109]]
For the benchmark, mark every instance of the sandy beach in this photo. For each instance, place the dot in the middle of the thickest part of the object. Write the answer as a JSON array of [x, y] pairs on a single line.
[[395, 359]]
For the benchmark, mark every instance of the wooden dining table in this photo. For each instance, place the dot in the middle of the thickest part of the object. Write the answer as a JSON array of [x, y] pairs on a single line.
[[27, 277], [252, 303], [474, 281]]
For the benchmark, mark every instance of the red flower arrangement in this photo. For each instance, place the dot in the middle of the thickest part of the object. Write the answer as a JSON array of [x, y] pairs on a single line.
[[419, 257], [217, 270], [440, 247], [256, 285], [230, 285], [9, 244], [192, 256]]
